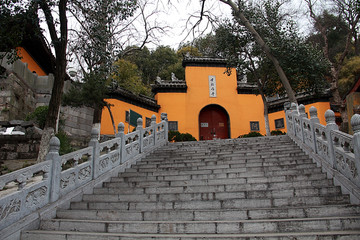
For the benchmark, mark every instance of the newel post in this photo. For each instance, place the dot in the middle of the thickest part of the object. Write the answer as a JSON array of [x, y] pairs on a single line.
[[294, 112], [330, 125], [54, 157], [94, 143], [287, 116], [121, 135], [294, 107], [153, 126], [355, 124], [141, 133], [302, 115], [313, 120], [164, 118]]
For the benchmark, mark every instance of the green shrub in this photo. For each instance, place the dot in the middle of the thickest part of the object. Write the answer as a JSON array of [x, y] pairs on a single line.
[[38, 116], [187, 137], [65, 146], [173, 135], [251, 134], [176, 136], [277, 132]]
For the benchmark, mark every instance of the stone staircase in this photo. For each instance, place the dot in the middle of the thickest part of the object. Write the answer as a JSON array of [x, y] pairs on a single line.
[[258, 188]]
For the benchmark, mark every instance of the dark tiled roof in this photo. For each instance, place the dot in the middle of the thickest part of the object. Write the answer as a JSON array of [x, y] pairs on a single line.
[[169, 86], [246, 88], [303, 98], [137, 100], [204, 62], [35, 44]]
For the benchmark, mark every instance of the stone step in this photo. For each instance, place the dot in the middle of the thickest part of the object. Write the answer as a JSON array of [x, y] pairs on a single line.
[[266, 151], [70, 235], [178, 154], [113, 197], [226, 150], [113, 188], [149, 177], [212, 215], [213, 160], [267, 171], [209, 182], [160, 168], [206, 227], [230, 142], [234, 145], [226, 160], [238, 159], [262, 188], [244, 153], [214, 204]]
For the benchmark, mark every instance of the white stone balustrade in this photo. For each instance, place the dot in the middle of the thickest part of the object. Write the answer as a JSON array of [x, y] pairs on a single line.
[[58, 176], [336, 152]]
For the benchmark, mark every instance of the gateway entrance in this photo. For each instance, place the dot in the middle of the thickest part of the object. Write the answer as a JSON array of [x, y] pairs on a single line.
[[213, 123]]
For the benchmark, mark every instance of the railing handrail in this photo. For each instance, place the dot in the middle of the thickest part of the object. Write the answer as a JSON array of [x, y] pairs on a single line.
[[86, 165], [337, 152]]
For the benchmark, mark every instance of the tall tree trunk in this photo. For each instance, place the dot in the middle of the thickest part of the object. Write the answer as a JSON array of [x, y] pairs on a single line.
[[267, 123], [60, 44], [261, 91], [266, 110], [240, 17], [97, 114], [97, 118], [111, 116]]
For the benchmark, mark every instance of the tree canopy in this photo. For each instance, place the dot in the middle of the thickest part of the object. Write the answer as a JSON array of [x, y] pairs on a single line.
[[161, 62], [303, 64], [127, 76]]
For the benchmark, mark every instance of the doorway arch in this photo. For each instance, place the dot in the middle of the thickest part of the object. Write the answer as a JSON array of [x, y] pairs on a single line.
[[214, 123]]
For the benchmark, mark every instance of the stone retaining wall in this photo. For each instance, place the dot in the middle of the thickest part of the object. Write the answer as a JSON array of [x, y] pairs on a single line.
[[18, 147], [22, 91], [78, 124], [16, 98], [24, 144]]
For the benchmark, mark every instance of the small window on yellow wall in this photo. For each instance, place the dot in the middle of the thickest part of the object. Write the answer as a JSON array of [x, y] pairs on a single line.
[[254, 126], [279, 123], [173, 126]]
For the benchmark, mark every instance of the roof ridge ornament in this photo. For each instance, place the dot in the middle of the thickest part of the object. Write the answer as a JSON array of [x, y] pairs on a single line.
[[174, 78]]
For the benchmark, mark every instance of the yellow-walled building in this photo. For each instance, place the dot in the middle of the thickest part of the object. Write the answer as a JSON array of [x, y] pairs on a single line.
[[208, 104]]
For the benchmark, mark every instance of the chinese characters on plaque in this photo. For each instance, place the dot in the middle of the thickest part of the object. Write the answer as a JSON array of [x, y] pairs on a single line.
[[212, 86]]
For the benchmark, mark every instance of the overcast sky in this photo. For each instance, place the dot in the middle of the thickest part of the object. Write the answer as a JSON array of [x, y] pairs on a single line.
[[179, 16], [178, 13]]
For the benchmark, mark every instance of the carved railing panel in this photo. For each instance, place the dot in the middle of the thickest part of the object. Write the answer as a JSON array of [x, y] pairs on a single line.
[[132, 144], [308, 133], [160, 132], [78, 170], [290, 123], [340, 151], [148, 137], [322, 144], [109, 155], [24, 191], [297, 127], [344, 155], [28, 190]]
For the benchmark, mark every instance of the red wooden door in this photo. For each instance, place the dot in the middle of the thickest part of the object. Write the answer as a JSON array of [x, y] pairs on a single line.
[[213, 123]]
